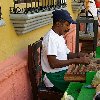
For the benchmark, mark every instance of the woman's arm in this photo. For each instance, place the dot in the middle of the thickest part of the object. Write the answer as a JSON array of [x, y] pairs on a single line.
[[55, 63], [76, 55]]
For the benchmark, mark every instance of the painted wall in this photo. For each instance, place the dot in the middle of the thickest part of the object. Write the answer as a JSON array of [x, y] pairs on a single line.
[[69, 8], [10, 42]]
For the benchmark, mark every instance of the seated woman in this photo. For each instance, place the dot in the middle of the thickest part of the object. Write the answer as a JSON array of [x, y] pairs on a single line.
[[55, 55]]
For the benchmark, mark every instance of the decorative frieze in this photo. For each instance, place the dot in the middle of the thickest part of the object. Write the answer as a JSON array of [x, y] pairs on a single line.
[[76, 6], [24, 23]]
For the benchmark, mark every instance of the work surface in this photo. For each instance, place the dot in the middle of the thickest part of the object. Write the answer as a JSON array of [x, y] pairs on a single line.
[[80, 91], [77, 73]]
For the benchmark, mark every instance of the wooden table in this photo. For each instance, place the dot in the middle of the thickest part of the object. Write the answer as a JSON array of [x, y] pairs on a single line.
[[80, 74]]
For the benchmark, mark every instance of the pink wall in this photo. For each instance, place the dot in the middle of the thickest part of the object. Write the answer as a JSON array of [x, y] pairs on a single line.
[[14, 79], [71, 38]]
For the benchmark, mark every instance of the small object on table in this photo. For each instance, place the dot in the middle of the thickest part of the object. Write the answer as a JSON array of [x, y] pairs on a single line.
[[89, 86], [98, 62], [98, 88], [70, 68]]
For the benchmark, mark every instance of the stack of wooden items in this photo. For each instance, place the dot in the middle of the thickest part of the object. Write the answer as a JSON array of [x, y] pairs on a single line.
[[78, 72]]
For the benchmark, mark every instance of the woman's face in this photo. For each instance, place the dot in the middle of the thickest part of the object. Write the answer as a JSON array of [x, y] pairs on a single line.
[[65, 27]]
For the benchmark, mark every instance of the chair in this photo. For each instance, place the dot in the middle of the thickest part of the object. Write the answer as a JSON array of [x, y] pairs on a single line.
[[39, 91]]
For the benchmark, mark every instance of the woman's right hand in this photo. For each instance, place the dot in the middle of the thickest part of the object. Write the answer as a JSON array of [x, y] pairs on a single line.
[[81, 60]]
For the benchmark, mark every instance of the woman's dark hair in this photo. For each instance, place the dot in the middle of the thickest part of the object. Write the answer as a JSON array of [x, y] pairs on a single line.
[[97, 97], [60, 20]]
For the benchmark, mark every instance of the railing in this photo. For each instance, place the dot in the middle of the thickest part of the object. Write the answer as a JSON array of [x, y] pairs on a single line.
[[0, 13], [33, 14], [2, 22], [46, 5]]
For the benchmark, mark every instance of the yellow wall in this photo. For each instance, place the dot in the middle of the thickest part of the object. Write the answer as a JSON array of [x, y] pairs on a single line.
[[69, 8], [10, 42]]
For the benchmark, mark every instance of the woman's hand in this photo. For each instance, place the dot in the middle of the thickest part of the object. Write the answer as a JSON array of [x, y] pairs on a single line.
[[81, 60], [80, 54]]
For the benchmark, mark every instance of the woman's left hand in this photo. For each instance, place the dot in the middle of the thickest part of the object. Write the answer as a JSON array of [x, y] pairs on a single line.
[[80, 54]]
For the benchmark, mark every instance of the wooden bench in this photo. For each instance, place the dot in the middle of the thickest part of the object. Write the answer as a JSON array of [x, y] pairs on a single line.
[[39, 91]]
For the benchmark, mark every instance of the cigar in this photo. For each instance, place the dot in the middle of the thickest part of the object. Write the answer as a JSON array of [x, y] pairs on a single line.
[[83, 69], [70, 68], [76, 69]]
